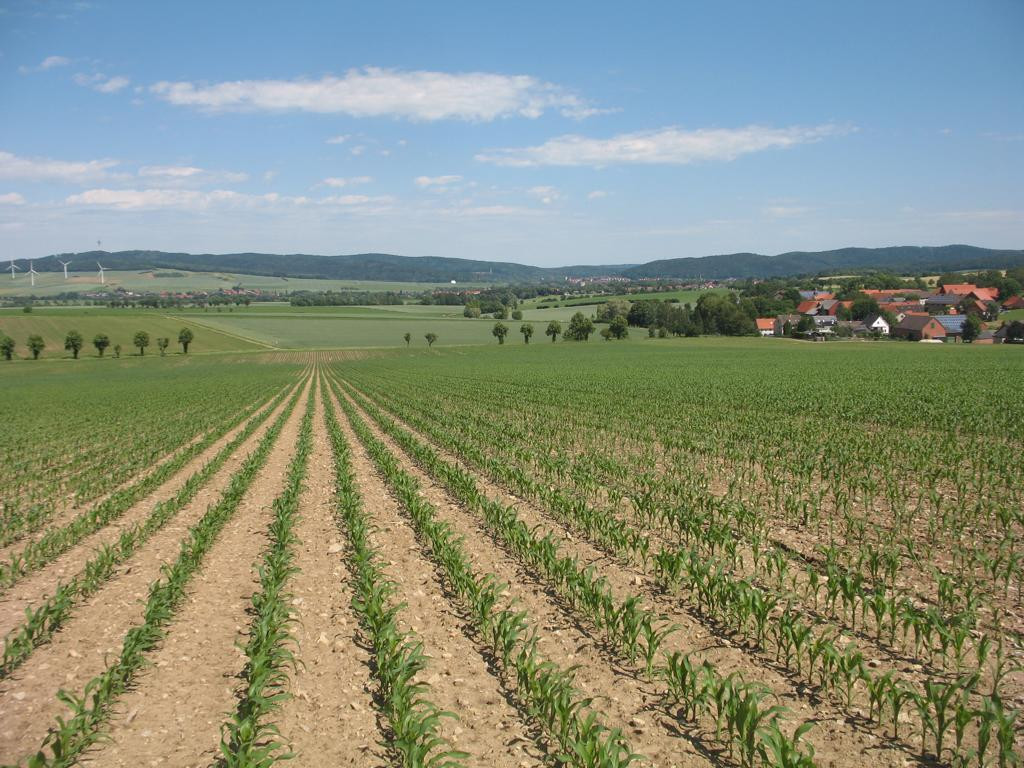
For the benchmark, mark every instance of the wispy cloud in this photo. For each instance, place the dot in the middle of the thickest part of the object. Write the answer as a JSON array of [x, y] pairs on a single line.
[[12, 198], [667, 146], [46, 169], [187, 175], [102, 83], [596, 194], [785, 211], [50, 62], [338, 139], [218, 199], [350, 181], [984, 215], [436, 181], [376, 92], [546, 195]]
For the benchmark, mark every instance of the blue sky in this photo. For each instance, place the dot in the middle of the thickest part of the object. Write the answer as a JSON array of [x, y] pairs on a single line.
[[544, 133]]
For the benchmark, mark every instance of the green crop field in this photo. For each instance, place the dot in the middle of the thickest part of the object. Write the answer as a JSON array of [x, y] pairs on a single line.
[[174, 280], [53, 325], [681, 296], [781, 547]]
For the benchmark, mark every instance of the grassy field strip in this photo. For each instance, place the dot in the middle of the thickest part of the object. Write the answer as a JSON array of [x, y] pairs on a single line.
[[54, 543], [762, 615], [233, 334], [87, 713], [42, 620], [399, 656], [248, 739], [545, 690]]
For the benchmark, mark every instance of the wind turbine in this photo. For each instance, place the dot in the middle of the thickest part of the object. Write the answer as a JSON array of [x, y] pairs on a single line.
[[32, 274], [66, 265], [102, 278], [12, 268]]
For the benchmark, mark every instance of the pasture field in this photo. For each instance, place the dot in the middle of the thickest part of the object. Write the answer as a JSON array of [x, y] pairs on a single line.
[[682, 296], [176, 280], [53, 324], [699, 552]]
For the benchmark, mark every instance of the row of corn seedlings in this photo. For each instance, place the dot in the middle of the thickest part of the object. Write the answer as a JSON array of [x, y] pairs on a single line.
[[54, 543], [71, 735], [839, 666], [43, 620], [249, 740], [635, 630], [398, 656], [545, 690]]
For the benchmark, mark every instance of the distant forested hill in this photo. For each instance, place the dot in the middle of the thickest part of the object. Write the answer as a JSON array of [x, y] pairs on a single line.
[[388, 267], [904, 258]]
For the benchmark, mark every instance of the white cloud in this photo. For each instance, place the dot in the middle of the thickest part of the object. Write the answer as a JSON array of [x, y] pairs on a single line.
[[354, 200], [785, 211], [187, 175], [546, 195], [376, 92], [357, 151], [350, 181], [196, 200], [45, 169], [338, 139], [667, 146], [12, 198], [436, 181], [597, 194], [50, 62], [102, 83], [490, 211]]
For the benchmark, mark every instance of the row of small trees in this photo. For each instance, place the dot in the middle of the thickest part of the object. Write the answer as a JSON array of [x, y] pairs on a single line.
[[580, 329], [74, 343]]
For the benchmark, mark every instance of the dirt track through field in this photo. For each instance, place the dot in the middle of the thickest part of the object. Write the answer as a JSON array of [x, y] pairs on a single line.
[[834, 738], [330, 719], [175, 710], [81, 649], [490, 728], [35, 587]]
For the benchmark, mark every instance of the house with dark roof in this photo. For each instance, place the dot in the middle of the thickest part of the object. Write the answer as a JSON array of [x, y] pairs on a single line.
[[954, 325], [942, 302], [918, 328], [782, 321]]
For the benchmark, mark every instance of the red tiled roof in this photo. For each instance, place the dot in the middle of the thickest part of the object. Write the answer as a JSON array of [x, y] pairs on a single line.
[[806, 306], [765, 324], [985, 294], [823, 296], [1014, 302], [959, 288]]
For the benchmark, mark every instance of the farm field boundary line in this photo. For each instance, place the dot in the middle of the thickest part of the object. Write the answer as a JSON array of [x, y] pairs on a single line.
[[70, 736], [855, 671], [232, 334], [543, 688], [43, 620]]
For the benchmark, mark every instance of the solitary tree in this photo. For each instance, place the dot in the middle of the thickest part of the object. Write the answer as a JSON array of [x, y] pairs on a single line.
[[36, 345], [185, 337], [117, 350], [408, 338], [500, 331], [554, 330], [6, 347], [141, 341], [618, 327], [162, 343], [527, 330], [73, 343], [972, 327], [431, 338], [580, 327], [101, 341]]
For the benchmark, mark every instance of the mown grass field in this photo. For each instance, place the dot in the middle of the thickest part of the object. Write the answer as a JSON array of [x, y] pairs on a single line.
[[53, 325]]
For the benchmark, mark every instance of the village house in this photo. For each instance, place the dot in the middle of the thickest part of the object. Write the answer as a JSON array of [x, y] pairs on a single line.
[[782, 321], [765, 326], [918, 328], [954, 325], [1014, 302], [877, 323]]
